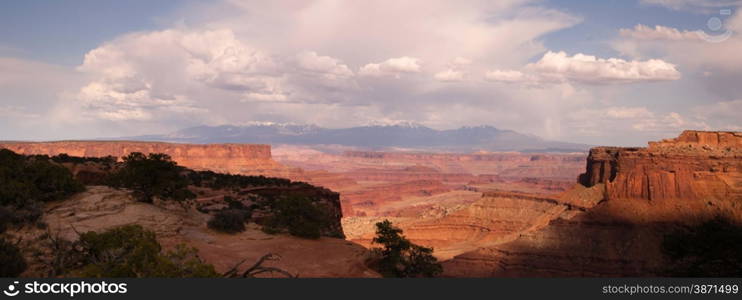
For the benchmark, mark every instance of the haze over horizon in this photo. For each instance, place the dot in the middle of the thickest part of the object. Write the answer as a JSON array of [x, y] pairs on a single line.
[[607, 73]]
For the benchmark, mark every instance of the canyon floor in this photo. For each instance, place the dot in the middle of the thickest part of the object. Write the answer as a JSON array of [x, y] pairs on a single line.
[[440, 200]]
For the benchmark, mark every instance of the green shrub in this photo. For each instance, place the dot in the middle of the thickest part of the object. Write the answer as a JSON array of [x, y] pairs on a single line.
[[151, 176], [229, 220], [299, 216], [64, 158], [401, 258], [131, 251], [34, 178], [219, 181], [26, 181], [12, 262]]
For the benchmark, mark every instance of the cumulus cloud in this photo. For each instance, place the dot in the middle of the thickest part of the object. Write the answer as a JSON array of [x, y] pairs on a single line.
[[328, 67], [392, 67], [288, 61], [449, 75], [560, 67], [510, 76], [590, 69], [146, 75], [327, 62], [710, 58], [698, 6], [167, 74], [658, 32]]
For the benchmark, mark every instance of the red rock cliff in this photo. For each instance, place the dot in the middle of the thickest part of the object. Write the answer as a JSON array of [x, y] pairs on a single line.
[[695, 165], [644, 193], [228, 158]]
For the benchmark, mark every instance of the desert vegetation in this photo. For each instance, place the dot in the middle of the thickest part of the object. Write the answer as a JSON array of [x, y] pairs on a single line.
[[153, 175], [65, 158], [229, 220], [12, 262], [27, 182], [298, 215], [398, 257], [132, 251], [220, 181]]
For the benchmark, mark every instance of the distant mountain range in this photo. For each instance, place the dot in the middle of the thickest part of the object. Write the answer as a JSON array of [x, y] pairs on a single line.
[[378, 137]]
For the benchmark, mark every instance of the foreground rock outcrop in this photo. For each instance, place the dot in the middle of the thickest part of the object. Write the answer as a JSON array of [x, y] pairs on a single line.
[[100, 208], [645, 193]]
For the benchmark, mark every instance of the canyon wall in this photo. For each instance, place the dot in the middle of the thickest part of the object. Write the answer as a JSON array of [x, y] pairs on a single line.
[[245, 159], [504, 164], [644, 193], [696, 165], [373, 183]]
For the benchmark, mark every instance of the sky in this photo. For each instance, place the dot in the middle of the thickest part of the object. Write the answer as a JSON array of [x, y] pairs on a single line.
[[620, 72]]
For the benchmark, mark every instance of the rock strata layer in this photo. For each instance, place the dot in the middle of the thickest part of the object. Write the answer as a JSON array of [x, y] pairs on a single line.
[[248, 159], [644, 193]]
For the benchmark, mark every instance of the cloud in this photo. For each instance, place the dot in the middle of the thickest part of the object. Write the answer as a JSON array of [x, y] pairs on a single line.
[[449, 75], [158, 74], [723, 115], [15, 112], [560, 67], [627, 113], [724, 109], [30, 90], [346, 63], [461, 61], [590, 69], [710, 59], [317, 62], [643, 124], [392, 67], [328, 67], [699, 6], [642, 32], [510, 76], [669, 123]]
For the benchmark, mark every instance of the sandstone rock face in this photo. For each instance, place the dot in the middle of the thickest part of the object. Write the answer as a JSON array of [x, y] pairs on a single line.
[[100, 208], [643, 194], [503, 164], [374, 197], [495, 218], [695, 165], [226, 158]]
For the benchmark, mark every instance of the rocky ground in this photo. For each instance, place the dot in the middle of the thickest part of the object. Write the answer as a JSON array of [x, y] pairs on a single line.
[[100, 208]]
